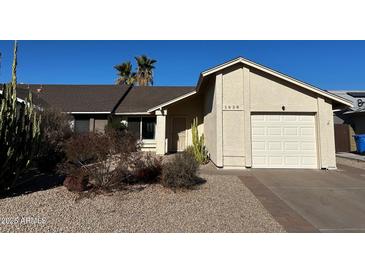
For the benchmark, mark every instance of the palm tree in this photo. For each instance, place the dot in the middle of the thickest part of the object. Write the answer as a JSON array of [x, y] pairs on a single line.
[[144, 75], [125, 74]]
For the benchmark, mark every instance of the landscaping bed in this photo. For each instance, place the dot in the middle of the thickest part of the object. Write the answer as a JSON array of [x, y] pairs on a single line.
[[222, 204]]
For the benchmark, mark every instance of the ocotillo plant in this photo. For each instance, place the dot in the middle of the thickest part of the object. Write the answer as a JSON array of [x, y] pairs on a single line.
[[198, 148], [19, 131]]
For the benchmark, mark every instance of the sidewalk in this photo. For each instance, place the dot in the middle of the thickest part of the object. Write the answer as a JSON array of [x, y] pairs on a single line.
[[351, 159]]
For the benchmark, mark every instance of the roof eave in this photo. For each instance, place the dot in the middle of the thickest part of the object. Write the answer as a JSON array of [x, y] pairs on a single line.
[[177, 99]]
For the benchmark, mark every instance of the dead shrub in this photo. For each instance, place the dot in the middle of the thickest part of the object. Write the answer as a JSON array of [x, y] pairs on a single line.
[[181, 172], [147, 168], [55, 131], [103, 158], [76, 183]]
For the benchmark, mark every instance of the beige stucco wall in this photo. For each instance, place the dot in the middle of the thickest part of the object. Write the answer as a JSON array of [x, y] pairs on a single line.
[[233, 117], [189, 108], [210, 118], [233, 94], [271, 94]]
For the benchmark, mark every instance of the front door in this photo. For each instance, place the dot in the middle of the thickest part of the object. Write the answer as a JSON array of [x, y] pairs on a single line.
[[178, 133]]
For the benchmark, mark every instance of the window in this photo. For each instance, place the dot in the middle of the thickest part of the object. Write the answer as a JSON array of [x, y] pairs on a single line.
[[148, 127], [134, 126], [142, 127], [82, 125]]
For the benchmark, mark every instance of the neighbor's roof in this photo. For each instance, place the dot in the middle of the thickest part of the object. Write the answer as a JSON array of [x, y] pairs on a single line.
[[105, 98], [37, 100], [241, 60], [353, 96], [22, 95]]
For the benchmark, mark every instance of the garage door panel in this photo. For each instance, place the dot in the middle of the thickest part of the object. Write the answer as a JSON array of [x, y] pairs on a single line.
[[276, 145], [275, 160], [292, 146], [309, 161], [308, 146], [272, 118], [259, 145], [306, 118], [258, 118], [274, 131], [259, 131], [284, 141], [307, 131], [260, 160], [290, 131], [292, 160], [289, 118]]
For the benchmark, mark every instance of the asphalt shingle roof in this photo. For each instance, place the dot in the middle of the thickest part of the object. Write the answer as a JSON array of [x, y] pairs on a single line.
[[140, 99], [105, 98], [353, 96]]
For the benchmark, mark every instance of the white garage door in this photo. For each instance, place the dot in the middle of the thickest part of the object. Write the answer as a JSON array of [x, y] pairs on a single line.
[[283, 141]]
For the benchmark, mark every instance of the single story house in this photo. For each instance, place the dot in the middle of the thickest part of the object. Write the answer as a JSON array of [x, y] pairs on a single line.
[[251, 115]]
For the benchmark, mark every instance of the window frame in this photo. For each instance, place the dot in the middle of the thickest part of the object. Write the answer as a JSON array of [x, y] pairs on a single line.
[[141, 126], [86, 120]]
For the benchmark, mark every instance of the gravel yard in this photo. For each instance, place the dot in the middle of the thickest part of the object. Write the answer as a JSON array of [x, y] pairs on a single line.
[[222, 204]]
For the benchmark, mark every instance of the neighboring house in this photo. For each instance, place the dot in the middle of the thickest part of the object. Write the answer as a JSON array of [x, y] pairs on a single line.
[[251, 116], [355, 116], [22, 95], [349, 121]]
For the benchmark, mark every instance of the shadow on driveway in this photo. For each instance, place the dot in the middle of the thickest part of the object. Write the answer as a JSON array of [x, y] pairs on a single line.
[[33, 181]]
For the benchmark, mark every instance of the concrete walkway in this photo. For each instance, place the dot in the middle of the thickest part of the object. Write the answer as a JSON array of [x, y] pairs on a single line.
[[351, 159]]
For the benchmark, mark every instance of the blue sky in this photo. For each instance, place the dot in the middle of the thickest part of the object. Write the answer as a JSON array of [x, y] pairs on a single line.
[[326, 64]]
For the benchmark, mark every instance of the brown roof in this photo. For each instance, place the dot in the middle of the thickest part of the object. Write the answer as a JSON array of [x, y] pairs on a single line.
[[23, 94], [79, 98], [105, 98], [140, 99]]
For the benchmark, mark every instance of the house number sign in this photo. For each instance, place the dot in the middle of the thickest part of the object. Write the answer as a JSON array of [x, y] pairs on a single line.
[[231, 107], [360, 103]]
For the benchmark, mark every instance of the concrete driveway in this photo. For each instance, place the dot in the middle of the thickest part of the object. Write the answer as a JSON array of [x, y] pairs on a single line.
[[331, 201]]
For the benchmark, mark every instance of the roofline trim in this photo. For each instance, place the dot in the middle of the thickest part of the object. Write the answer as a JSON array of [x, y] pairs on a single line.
[[172, 101], [87, 112], [132, 113], [108, 112], [274, 73], [354, 111]]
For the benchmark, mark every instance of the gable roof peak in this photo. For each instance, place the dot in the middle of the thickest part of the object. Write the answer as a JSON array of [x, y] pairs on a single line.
[[273, 72]]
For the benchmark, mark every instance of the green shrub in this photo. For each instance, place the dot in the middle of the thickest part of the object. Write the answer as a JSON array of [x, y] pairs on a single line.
[[180, 172], [115, 122], [198, 148], [19, 132]]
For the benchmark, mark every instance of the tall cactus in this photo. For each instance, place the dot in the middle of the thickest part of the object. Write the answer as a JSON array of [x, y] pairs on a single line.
[[19, 131], [198, 148]]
